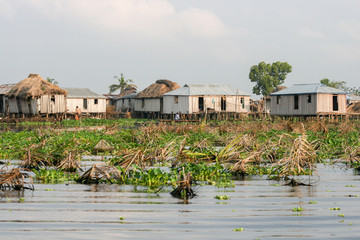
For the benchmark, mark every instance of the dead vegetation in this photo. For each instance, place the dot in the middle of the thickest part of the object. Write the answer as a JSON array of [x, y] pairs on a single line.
[[100, 173], [16, 179], [184, 190], [299, 159], [71, 163]]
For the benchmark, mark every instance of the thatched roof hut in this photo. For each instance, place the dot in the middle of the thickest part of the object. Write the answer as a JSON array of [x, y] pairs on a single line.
[[34, 86], [157, 89]]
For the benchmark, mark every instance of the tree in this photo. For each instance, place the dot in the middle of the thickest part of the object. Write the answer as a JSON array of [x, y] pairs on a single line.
[[340, 85], [334, 84], [268, 76], [52, 80], [122, 84]]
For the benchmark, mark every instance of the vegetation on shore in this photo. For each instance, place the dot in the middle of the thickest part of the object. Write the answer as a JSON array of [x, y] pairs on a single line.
[[213, 153]]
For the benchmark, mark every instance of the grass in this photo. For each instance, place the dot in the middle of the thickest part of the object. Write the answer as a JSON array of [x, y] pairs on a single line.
[[213, 152]]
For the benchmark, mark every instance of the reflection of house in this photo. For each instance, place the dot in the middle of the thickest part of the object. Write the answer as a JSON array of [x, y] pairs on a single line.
[[86, 100], [151, 98], [195, 98], [34, 95], [308, 100], [4, 102], [125, 101]]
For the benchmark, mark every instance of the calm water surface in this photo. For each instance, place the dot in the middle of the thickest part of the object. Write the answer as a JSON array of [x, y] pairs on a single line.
[[262, 208]]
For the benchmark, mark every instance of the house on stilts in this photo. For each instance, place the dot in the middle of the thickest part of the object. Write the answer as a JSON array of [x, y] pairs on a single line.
[[4, 101], [89, 102], [34, 95], [149, 102], [308, 100], [124, 102], [200, 98]]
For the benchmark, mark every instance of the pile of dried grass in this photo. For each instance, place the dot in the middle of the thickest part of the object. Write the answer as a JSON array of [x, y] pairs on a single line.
[[15, 179], [300, 158], [100, 173], [103, 146], [71, 163]]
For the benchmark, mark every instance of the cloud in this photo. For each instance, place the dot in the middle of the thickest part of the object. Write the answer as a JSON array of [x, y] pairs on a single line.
[[309, 33], [7, 9], [351, 28], [141, 17]]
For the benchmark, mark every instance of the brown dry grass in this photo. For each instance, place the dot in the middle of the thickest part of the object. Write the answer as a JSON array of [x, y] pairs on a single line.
[[15, 179]]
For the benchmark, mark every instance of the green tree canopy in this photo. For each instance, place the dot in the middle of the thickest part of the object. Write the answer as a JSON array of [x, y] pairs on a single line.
[[122, 84], [268, 76], [340, 85], [334, 84], [52, 80]]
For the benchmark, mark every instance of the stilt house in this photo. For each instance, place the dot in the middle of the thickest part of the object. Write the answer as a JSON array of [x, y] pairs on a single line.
[[150, 100], [308, 100], [4, 102], [34, 95], [125, 101], [87, 100], [197, 98]]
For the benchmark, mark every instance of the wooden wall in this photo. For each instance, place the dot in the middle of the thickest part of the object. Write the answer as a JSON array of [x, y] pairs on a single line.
[[320, 103], [150, 105], [100, 107], [190, 104], [125, 103]]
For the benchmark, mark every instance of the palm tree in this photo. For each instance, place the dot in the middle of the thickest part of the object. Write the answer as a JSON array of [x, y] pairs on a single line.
[[52, 80], [122, 84]]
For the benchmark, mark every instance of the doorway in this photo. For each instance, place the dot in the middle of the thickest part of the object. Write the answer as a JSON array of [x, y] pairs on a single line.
[[201, 104], [335, 103]]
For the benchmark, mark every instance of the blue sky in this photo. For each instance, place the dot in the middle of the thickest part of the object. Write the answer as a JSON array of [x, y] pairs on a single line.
[[84, 43]]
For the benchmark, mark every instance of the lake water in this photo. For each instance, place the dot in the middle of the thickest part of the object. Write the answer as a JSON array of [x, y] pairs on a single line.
[[264, 209]]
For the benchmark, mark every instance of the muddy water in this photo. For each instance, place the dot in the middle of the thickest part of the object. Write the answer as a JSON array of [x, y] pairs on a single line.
[[262, 208]]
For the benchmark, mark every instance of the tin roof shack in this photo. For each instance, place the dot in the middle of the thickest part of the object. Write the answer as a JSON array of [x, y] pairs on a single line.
[[151, 99], [196, 98], [308, 100], [4, 102], [34, 95], [88, 101], [125, 101]]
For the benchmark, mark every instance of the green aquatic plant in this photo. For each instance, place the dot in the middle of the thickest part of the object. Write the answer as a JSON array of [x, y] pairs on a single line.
[[297, 209], [54, 176], [222, 197], [238, 229]]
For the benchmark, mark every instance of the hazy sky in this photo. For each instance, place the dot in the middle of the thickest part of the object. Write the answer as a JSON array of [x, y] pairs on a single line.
[[84, 43]]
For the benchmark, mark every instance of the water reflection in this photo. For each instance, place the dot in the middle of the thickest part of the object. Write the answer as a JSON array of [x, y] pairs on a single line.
[[263, 208]]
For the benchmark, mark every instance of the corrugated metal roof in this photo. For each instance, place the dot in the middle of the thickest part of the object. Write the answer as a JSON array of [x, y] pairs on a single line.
[[308, 89], [205, 89], [82, 93], [5, 88], [353, 97]]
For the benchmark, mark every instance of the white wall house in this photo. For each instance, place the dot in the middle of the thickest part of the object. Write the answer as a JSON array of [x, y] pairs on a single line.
[[125, 103], [87, 100], [196, 98], [308, 100]]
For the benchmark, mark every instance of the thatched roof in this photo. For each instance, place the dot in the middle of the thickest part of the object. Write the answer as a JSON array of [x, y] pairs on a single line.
[[35, 86], [126, 91], [354, 108], [158, 88]]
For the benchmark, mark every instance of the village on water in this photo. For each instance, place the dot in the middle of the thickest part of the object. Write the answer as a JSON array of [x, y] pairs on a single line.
[[166, 100]]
